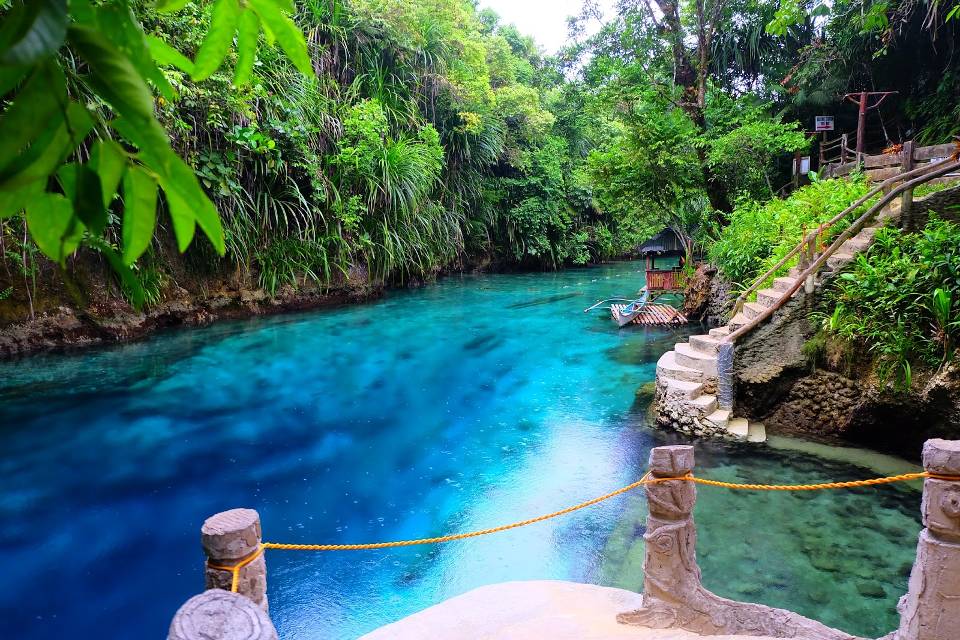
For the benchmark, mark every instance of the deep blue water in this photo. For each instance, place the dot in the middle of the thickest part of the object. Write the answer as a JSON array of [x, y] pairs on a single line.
[[463, 405]]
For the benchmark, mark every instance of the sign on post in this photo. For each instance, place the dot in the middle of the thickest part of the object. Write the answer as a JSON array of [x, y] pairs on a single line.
[[823, 123]]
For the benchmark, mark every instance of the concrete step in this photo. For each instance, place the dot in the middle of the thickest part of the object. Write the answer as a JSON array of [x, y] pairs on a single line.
[[768, 297], [719, 332], [752, 310], [838, 260], [756, 432], [690, 357], [854, 245], [705, 344], [702, 405], [667, 367], [783, 284], [738, 321], [738, 427], [720, 417], [683, 388]]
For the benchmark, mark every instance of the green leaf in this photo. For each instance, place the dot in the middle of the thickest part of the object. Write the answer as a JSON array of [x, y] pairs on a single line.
[[169, 6], [31, 113], [121, 27], [139, 212], [49, 150], [286, 32], [33, 31], [12, 201], [53, 226], [129, 280], [109, 160], [213, 49], [249, 33], [10, 77], [165, 55], [112, 76], [82, 185]]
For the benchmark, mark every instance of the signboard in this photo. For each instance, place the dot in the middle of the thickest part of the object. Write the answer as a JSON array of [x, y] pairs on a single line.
[[823, 123], [804, 166]]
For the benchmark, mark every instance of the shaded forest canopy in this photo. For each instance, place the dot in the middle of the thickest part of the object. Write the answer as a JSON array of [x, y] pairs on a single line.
[[401, 138]]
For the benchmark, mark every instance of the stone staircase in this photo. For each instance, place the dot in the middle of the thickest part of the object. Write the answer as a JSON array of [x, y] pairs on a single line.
[[687, 376]]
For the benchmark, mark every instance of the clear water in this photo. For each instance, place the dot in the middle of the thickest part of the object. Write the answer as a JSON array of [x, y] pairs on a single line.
[[463, 405]]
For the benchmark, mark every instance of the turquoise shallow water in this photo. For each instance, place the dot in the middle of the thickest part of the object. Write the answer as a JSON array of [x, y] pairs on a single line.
[[463, 405]]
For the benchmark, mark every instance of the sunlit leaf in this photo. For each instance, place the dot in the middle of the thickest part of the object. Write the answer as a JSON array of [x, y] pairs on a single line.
[[169, 6], [33, 31], [131, 284], [213, 49], [139, 212], [289, 37], [12, 201], [165, 55], [247, 37], [53, 226]]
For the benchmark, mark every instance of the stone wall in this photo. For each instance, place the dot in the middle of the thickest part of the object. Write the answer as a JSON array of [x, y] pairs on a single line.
[[822, 403], [946, 204]]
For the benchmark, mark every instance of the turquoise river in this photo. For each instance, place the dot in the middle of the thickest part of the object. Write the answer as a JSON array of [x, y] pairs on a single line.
[[470, 403]]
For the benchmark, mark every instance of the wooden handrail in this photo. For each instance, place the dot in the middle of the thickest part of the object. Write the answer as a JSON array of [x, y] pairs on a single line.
[[738, 305], [932, 171]]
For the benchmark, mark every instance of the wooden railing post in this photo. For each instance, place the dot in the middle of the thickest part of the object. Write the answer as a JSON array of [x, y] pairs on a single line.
[[229, 538], [906, 200], [843, 149], [930, 609]]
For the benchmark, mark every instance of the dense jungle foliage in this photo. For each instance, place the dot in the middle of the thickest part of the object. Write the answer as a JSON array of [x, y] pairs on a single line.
[[398, 138]]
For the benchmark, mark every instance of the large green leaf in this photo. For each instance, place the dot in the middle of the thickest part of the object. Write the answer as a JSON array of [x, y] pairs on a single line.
[[49, 150], [286, 32], [109, 160], [213, 49], [247, 36], [165, 55], [121, 27], [33, 31], [169, 6], [81, 184], [139, 212], [12, 201], [33, 108], [131, 284], [53, 226], [112, 75]]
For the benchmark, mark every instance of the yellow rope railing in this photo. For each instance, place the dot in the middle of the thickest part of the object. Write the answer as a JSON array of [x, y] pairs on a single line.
[[645, 480]]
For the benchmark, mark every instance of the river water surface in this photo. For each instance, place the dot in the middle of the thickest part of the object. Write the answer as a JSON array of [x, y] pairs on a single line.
[[463, 405]]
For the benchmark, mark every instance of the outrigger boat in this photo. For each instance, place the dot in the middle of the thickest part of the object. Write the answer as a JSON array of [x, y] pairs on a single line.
[[624, 314]]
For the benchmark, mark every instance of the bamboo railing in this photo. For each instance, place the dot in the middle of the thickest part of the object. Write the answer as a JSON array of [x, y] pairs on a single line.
[[909, 180]]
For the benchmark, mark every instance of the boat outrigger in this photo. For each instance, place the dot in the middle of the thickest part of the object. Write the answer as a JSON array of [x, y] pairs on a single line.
[[624, 314]]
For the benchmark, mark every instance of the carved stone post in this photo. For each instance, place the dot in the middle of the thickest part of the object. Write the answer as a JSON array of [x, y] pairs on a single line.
[[229, 538], [221, 615], [672, 593], [931, 608], [725, 383]]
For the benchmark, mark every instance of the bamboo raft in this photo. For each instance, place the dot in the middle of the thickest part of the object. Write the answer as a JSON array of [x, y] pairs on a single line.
[[656, 314]]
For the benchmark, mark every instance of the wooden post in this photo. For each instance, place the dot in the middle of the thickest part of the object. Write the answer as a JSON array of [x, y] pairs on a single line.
[[796, 170], [861, 124], [228, 539], [221, 615], [843, 149], [821, 157], [929, 611], [811, 250], [906, 199]]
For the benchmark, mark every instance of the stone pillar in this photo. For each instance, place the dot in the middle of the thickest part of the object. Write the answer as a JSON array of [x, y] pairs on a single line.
[[931, 608], [229, 538], [221, 615], [725, 385], [673, 596]]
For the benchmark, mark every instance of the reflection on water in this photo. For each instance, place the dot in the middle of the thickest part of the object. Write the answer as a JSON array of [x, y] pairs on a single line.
[[464, 405]]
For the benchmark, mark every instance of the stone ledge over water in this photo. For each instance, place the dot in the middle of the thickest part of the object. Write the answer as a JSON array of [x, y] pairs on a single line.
[[533, 610]]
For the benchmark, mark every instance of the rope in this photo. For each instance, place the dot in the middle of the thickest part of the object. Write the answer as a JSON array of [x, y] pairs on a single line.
[[645, 480]]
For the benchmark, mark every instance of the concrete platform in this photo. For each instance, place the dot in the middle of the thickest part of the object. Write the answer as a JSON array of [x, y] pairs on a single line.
[[534, 610]]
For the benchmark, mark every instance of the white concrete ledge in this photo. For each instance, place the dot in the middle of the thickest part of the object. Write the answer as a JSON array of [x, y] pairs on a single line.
[[533, 610]]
